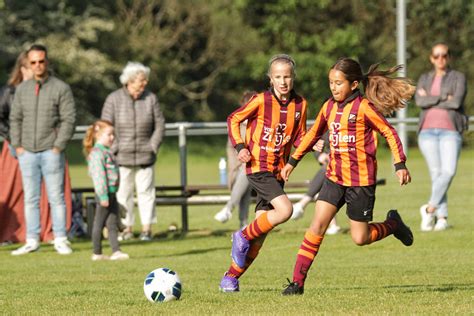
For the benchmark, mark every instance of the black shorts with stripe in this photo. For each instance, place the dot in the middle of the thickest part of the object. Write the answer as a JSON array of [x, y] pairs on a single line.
[[267, 187], [360, 200]]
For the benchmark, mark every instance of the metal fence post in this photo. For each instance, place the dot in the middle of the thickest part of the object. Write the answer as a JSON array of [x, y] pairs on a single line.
[[401, 60], [184, 173]]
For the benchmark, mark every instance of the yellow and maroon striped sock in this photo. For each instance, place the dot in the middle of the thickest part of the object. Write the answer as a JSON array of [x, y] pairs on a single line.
[[379, 231], [258, 227], [235, 271], [308, 250]]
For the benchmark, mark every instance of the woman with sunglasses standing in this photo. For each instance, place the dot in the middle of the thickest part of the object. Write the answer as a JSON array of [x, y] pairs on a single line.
[[440, 94]]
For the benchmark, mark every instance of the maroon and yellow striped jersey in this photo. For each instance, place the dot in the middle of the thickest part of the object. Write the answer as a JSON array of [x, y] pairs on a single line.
[[272, 128], [352, 140]]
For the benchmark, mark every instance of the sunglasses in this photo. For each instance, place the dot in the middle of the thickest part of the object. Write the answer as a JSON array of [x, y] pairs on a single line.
[[34, 62], [438, 56]]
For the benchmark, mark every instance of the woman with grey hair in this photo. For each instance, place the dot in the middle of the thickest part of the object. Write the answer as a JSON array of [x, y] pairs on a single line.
[[139, 127]]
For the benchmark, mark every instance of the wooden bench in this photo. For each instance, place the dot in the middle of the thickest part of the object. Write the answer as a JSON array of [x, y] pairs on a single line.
[[204, 194], [87, 196]]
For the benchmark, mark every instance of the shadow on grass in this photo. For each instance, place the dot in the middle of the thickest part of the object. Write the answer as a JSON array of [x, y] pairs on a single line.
[[193, 252], [418, 288], [431, 288], [165, 236], [180, 235]]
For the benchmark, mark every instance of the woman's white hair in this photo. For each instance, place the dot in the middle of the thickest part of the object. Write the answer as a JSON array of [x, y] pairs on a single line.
[[132, 70]]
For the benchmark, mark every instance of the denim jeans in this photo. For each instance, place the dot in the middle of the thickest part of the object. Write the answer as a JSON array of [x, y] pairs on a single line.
[[441, 149], [49, 166]]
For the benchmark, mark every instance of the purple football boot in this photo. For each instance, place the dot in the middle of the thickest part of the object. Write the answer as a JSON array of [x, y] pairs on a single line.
[[229, 284], [240, 248]]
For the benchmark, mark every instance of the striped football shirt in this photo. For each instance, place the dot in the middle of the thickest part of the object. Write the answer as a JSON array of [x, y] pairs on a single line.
[[353, 143], [272, 128]]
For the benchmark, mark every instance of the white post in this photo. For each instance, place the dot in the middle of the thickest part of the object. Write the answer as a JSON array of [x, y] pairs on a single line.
[[401, 59], [184, 173]]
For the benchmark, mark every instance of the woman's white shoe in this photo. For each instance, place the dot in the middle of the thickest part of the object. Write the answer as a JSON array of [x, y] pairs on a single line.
[[427, 219]]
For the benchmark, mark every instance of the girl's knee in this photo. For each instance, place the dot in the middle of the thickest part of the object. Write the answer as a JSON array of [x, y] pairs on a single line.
[[317, 228], [360, 240], [286, 213]]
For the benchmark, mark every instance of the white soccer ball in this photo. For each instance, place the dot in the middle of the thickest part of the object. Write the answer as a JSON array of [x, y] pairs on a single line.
[[162, 285]]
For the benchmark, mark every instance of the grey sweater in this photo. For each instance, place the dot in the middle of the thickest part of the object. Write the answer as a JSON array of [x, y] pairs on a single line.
[[139, 127], [43, 120], [454, 84]]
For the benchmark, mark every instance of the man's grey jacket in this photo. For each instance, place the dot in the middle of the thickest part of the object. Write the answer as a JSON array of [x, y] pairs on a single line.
[[42, 115]]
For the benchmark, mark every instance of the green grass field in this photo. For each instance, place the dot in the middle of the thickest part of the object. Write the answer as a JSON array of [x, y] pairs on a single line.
[[434, 276]]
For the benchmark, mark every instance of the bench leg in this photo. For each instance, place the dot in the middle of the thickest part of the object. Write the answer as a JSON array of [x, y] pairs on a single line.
[[90, 209], [184, 218]]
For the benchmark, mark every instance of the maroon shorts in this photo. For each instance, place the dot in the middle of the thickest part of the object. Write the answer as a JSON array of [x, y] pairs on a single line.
[[267, 187], [360, 200]]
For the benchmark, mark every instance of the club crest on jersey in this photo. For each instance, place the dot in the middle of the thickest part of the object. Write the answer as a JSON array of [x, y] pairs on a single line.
[[297, 115], [352, 118]]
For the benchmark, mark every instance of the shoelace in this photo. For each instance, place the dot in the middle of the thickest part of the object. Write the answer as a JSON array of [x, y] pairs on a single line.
[[285, 286]]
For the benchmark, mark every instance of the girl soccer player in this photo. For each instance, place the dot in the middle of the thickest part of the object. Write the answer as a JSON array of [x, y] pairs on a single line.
[[351, 119], [104, 172], [276, 121]]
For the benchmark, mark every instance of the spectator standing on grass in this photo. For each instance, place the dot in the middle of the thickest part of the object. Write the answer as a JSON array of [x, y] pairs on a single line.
[[239, 184], [11, 190], [105, 175], [21, 72], [440, 94], [42, 122], [351, 119], [276, 120], [139, 128]]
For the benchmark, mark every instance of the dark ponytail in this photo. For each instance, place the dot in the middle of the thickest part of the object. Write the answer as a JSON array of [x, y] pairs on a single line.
[[387, 94]]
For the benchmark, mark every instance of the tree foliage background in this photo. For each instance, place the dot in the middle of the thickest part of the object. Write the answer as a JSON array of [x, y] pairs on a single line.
[[205, 53]]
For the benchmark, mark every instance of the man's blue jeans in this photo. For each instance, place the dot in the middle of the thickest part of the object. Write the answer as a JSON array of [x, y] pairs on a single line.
[[49, 166], [441, 149]]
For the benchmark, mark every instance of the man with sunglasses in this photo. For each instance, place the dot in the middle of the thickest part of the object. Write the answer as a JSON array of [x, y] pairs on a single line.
[[42, 122], [440, 95]]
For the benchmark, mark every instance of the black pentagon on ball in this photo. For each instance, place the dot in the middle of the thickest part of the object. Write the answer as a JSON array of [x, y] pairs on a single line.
[[157, 296], [169, 271], [149, 278], [177, 290]]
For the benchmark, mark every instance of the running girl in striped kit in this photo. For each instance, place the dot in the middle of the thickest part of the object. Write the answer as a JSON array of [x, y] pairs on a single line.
[[351, 119], [276, 121]]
